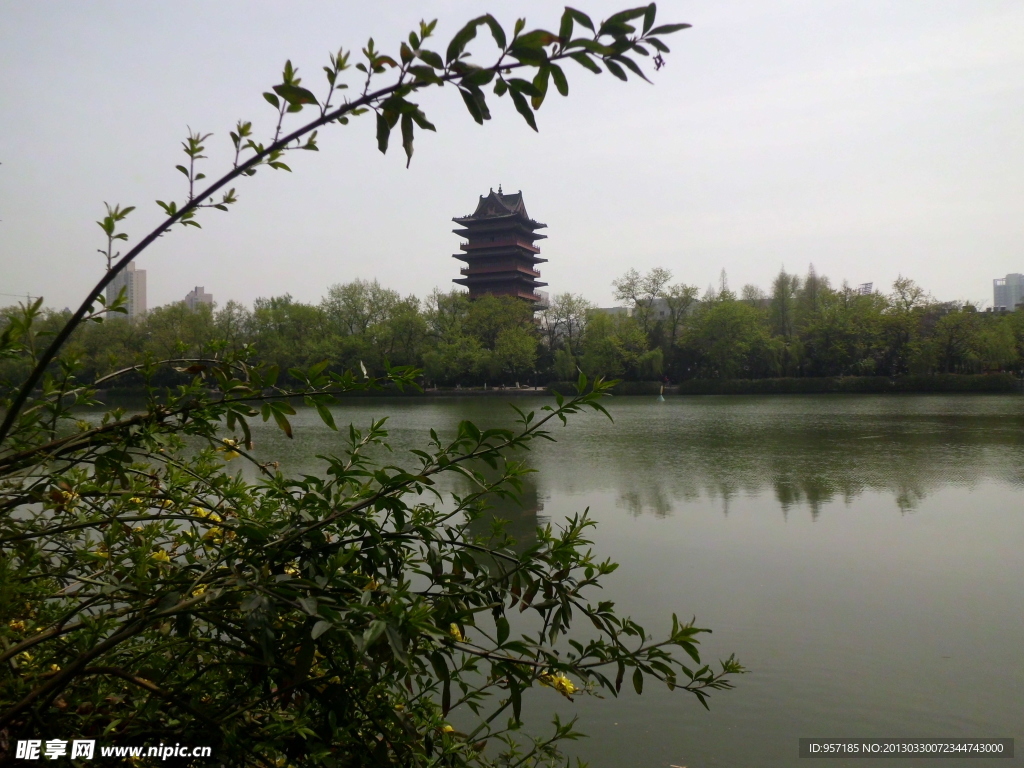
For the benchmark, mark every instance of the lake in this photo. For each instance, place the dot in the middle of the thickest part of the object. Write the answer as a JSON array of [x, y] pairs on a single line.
[[863, 556]]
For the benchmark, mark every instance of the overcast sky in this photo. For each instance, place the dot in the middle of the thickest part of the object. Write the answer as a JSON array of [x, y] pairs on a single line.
[[870, 137]]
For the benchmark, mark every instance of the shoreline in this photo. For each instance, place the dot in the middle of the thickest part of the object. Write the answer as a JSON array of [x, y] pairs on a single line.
[[998, 383]]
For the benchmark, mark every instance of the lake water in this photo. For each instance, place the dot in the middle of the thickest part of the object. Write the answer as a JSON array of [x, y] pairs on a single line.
[[863, 556]]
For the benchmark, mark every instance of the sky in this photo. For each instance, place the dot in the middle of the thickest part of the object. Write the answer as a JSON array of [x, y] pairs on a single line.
[[869, 138]]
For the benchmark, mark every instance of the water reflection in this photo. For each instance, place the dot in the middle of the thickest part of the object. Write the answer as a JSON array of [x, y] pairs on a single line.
[[521, 514], [808, 453]]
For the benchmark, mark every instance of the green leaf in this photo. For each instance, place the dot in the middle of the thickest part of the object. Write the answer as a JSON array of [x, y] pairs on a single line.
[[375, 630], [425, 74], [319, 628], [668, 29], [538, 38], [282, 422], [632, 66], [516, 695], [496, 31], [407, 137], [560, 82], [472, 105], [649, 13], [523, 86], [421, 121], [523, 108], [440, 666], [462, 38], [615, 69], [586, 61], [397, 644], [580, 18], [273, 100], [617, 22], [432, 59], [565, 26], [656, 43], [540, 82], [638, 680], [503, 629], [383, 132], [294, 94], [326, 416]]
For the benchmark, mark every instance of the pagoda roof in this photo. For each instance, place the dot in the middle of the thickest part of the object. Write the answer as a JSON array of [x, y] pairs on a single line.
[[498, 205]]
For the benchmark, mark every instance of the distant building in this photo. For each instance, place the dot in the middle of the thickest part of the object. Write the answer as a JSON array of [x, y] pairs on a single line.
[[197, 297], [134, 282], [500, 251], [865, 289], [659, 310], [1007, 292]]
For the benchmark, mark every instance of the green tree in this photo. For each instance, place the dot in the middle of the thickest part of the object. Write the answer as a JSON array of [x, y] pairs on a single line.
[[955, 339], [728, 337], [565, 321], [639, 293], [489, 316], [900, 325], [680, 301]]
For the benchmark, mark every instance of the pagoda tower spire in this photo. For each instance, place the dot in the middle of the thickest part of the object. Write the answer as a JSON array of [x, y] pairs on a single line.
[[500, 249]]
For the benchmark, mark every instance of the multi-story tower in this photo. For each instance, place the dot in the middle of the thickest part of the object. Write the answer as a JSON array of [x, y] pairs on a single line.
[[134, 282], [1008, 292], [500, 250]]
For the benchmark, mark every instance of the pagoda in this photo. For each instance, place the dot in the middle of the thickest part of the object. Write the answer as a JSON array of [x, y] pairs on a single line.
[[500, 249]]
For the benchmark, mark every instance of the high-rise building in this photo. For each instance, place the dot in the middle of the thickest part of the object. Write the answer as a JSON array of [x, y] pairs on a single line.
[[134, 282], [197, 297], [865, 289], [1007, 292], [500, 250]]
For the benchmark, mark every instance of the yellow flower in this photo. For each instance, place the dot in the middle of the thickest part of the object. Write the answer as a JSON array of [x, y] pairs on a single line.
[[200, 590], [16, 625], [25, 657], [55, 667], [453, 630], [371, 585], [560, 683], [209, 514], [136, 500], [228, 449], [292, 570], [160, 556], [447, 729]]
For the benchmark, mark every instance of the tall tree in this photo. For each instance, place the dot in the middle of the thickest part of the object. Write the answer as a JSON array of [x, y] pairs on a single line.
[[639, 292]]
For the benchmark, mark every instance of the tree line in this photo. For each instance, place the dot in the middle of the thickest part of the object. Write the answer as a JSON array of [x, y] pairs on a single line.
[[803, 327]]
